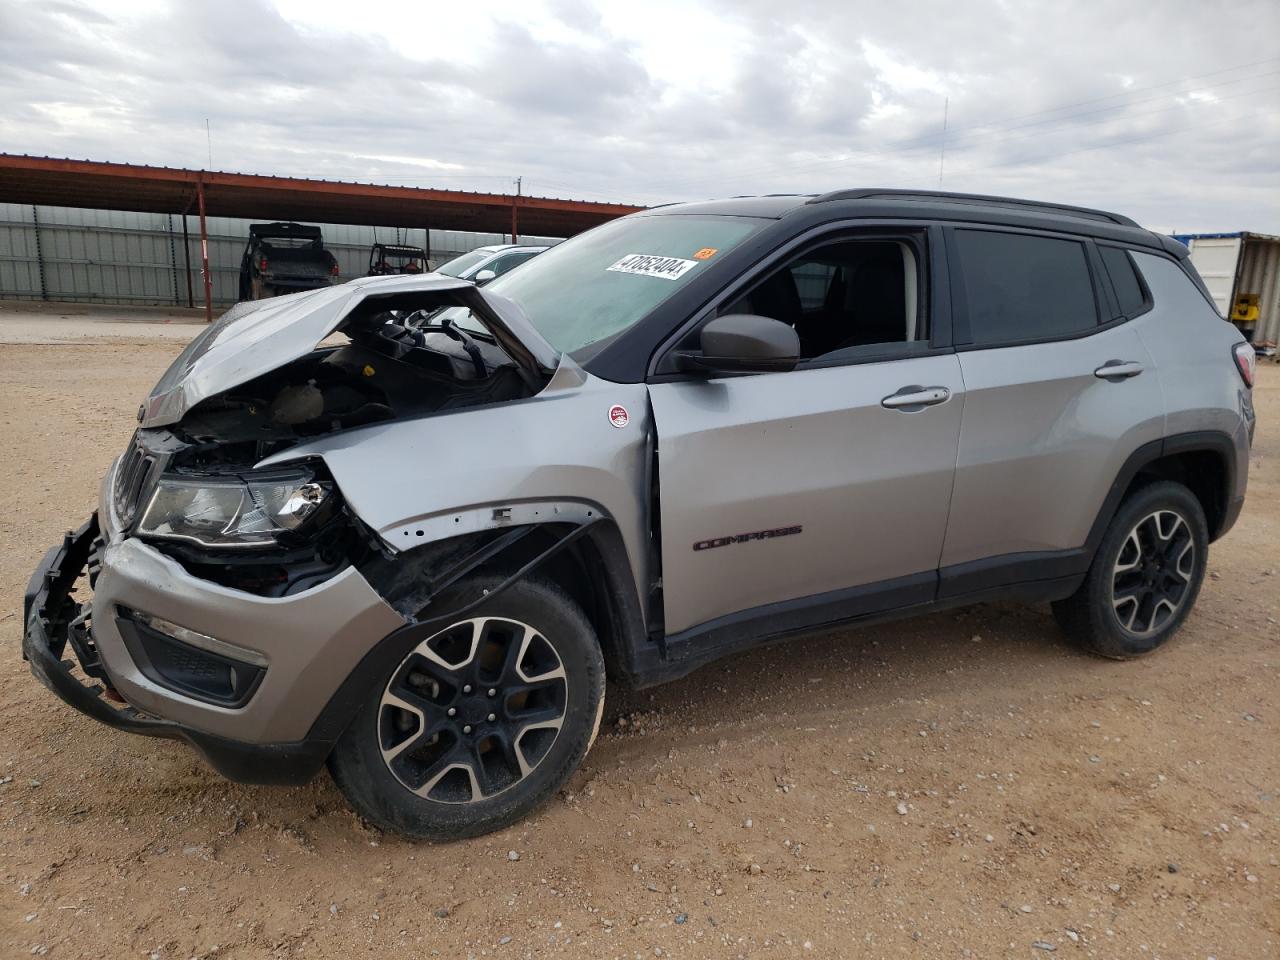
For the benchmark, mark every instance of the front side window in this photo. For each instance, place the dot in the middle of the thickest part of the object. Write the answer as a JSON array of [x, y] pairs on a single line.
[[852, 293], [1022, 288]]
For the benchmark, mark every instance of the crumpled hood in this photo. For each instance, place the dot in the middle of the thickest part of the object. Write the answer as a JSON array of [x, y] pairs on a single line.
[[256, 337]]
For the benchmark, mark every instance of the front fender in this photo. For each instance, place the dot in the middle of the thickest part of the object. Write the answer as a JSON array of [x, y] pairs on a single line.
[[556, 456]]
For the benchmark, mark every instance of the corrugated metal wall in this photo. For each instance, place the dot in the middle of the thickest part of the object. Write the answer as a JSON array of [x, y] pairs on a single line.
[[1217, 260], [111, 256], [1235, 264], [1260, 274]]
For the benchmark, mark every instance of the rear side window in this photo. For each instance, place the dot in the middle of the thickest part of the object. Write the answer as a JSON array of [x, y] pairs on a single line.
[[1124, 278], [1024, 288]]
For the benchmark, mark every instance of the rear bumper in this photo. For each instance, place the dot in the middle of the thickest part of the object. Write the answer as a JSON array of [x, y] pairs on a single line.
[[242, 743]]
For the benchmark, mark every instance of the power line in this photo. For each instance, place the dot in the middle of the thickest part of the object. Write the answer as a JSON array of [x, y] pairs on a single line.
[[900, 150], [1157, 86], [929, 141], [1134, 103], [1102, 146]]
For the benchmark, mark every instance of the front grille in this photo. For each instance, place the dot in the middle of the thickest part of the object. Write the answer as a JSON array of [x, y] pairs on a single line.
[[134, 479]]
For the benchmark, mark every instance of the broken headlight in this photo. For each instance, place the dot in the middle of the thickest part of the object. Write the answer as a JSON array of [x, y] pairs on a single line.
[[232, 511]]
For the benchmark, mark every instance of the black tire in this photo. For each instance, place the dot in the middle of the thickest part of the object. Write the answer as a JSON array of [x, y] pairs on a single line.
[[1123, 611], [387, 798]]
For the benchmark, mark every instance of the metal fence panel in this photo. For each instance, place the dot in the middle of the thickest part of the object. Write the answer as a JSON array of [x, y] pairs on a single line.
[[19, 268], [116, 256]]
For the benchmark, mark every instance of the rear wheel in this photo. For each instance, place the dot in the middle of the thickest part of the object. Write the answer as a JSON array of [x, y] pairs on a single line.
[[1145, 575], [480, 722]]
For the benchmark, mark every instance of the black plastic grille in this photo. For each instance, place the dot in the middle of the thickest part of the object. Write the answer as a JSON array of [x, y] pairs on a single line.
[[133, 481], [182, 668]]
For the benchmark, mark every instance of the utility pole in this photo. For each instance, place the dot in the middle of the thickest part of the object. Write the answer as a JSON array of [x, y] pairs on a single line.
[[35, 225], [515, 200], [204, 253]]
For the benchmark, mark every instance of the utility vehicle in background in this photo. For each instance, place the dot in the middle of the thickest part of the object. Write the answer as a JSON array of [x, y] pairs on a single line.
[[391, 259], [284, 258]]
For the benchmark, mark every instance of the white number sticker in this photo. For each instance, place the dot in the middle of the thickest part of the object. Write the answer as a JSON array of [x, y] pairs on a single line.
[[646, 265]]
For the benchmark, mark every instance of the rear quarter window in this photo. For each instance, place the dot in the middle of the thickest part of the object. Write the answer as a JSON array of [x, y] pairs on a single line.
[[1131, 295], [1020, 287]]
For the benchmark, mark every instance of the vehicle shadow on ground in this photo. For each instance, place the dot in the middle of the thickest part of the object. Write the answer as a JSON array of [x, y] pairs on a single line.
[[886, 661], [783, 684]]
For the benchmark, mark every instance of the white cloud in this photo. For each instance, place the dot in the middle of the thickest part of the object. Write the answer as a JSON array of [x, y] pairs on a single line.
[[1167, 112]]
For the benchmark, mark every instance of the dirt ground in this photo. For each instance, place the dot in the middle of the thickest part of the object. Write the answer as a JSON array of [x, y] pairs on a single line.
[[1053, 802]]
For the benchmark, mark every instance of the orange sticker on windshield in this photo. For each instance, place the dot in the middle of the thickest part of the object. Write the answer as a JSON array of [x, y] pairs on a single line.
[[706, 253]]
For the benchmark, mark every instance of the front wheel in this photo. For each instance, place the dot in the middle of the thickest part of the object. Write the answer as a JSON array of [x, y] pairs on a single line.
[[1145, 575], [480, 722]]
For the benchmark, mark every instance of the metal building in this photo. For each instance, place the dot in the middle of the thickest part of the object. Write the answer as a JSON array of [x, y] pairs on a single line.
[[1242, 272], [80, 244]]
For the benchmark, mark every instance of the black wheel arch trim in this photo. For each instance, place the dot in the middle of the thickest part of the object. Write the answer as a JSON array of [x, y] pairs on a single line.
[[1199, 441], [615, 578]]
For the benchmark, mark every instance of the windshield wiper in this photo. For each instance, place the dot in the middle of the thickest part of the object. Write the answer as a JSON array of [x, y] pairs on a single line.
[[468, 344]]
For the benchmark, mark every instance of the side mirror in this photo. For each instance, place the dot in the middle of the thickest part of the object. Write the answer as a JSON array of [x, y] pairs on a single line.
[[482, 277], [743, 343]]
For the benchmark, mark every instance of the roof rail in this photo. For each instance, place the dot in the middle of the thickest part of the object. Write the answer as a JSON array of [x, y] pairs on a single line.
[[1084, 213]]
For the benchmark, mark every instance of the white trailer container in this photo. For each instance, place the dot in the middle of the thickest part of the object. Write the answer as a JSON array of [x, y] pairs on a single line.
[[1242, 272]]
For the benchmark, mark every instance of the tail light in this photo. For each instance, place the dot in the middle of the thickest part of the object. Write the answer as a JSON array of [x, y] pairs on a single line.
[[1246, 362], [262, 264], [334, 269]]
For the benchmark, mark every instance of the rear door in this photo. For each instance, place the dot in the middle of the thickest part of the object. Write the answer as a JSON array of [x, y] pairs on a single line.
[[1059, 390], [820, 489]]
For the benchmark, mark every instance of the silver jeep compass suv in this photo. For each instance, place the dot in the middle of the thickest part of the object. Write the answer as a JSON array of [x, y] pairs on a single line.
[[407, 527]]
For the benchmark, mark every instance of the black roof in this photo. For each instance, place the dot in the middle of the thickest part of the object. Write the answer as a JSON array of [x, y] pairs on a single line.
[[300, 231], [978, 199], [889, 203], [782, 219], [400, 250]]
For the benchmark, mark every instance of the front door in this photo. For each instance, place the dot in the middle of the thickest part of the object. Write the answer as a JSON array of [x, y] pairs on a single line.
[[793, 485], [827, 483]]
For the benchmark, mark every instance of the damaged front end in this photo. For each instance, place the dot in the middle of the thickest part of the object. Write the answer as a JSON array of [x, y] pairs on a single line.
[[266, 378], [221, 600]]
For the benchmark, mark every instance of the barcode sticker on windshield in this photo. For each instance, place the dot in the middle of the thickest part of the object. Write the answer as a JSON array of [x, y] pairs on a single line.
[[646, 265]]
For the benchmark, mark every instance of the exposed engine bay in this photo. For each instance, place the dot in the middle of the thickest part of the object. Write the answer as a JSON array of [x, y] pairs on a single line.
[[197, 497], [396, 363]]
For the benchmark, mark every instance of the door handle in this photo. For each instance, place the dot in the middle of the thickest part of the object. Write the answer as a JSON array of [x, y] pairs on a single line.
[[1117, 370], [915, 397]]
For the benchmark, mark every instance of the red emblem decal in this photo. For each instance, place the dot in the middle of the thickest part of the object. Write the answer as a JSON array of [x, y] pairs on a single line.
[[618, 416]]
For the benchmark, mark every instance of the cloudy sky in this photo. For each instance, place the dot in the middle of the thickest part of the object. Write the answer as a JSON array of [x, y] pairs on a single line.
[[1168, 110]]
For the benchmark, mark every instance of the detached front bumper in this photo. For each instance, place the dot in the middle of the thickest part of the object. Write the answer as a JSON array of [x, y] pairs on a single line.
[[308, 643], [54, 621]]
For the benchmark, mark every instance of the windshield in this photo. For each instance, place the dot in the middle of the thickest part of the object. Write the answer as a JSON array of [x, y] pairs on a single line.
[[458, 266], [602, 282]]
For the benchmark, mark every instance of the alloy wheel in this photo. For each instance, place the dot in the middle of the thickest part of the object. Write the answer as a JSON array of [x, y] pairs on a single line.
[[472, 710], [1153, 572]]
